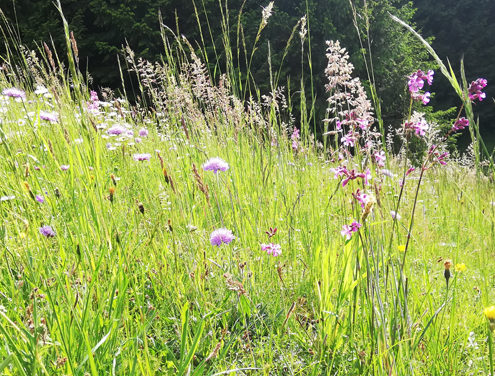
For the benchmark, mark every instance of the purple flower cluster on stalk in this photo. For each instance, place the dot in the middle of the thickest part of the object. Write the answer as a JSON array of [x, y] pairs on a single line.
[[475, 89], [416, 83], [221, 235], [460, 124], [295, 139]]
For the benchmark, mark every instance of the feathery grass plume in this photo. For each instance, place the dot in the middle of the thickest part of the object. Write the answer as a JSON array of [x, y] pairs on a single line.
[[349, 109]]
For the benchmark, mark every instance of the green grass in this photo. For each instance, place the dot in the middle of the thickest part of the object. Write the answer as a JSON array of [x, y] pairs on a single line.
[[118, 291], [130, 284]]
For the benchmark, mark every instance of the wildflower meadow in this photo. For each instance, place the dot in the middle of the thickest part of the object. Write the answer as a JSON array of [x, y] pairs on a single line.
[[199, 230]]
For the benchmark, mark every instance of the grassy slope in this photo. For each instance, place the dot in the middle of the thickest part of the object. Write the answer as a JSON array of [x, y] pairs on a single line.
[[149, 294]]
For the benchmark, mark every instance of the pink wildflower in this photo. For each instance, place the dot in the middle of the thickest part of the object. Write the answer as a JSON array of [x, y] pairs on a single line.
[[348, 230], [460, 124], [475, 89], [272, 249]]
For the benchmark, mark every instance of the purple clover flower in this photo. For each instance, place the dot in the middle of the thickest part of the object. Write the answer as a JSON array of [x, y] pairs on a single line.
[[40, 199], [348, 230], [460, 124], [14, 93], [143, 132], [142, 157], [52, 117], [215, 164], [272, 249], [64, 167], [475, 89], [47, 231], [221, 235]]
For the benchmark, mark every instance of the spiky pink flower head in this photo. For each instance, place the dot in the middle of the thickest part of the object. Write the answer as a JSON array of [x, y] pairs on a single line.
[[47, 231], [142, 157], [221, 235], [475, 89], [272, 249], [52, 117], [215, 164], [460, 124], [117, 130], [14, 93], [143, 132], [348, 230]]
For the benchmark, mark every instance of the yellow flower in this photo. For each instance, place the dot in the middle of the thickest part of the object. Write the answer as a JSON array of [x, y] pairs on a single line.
[[490, 313], [460, 267], [401, 248]]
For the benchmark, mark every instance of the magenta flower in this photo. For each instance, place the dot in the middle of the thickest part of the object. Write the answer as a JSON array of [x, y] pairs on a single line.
[[14, 93], [420, 127], [349, 175], [40, 199], [272, 249], [221, 235], [215, 164], [425, 98], [348, 140], [52, 117], [295, 139], [380, 158], [95, 103], [116, 130], [142, 157], [460, 124], [415, 83], [417, 80], [64, 167], [47, 231], [143, 132], [475, 89], [361, 197], [348, 230]]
